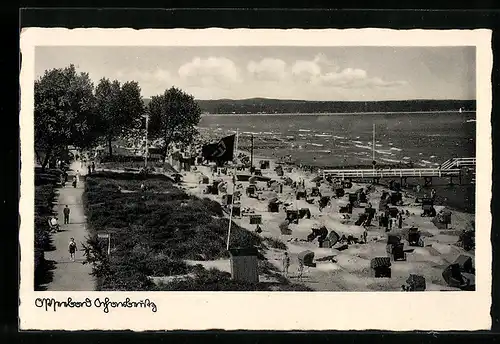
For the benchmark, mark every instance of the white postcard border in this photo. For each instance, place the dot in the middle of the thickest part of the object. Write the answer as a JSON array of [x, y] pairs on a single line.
[[264, 310]]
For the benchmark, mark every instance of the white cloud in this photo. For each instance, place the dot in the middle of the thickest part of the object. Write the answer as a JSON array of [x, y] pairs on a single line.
[[325, 72], [268, 69], [306, 71], [211, 71]]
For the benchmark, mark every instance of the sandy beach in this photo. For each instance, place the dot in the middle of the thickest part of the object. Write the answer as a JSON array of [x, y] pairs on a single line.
[[344, 269]]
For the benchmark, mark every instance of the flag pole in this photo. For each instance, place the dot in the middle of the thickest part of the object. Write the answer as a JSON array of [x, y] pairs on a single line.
[[373, 147], [147, 148]]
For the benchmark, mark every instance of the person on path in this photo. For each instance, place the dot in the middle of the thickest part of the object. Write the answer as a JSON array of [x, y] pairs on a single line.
[[54, 225], [66, 212], [433, 194], [286, 264], [72, 249], [89, 167], [77, 176], [93, 166], [74, 181]]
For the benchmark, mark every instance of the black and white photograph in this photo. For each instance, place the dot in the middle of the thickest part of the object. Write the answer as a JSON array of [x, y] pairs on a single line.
[[256, 168]]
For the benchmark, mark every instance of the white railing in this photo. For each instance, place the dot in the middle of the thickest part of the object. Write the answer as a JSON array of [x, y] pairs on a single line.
[[458, 162], [403, 172]]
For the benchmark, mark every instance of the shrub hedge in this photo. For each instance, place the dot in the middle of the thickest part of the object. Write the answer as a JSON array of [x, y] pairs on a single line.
[[44, 201]]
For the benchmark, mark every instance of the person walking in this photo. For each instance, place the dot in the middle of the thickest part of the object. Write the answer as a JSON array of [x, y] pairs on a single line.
[[72, 249], [286, 264], [77, 176], [66, 212], [93, 166], [433, 195]]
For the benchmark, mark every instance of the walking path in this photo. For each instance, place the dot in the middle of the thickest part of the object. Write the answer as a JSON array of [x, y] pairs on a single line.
[[69, 275]]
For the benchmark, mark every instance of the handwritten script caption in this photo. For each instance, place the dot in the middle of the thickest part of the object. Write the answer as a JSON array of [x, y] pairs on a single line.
[[51, 304]]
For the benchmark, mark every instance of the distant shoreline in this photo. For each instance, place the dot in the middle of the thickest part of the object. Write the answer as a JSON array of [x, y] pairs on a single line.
[[335, 114]]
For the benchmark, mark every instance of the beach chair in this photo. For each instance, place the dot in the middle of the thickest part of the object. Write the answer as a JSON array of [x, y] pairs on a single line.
[[414, 237], [315, 192], [257, 172], [453, 277], [284, 230], [251, 191], [292, 216], [333, 237], [273, 207], [301, 193], [236, 210], [396, 198], [393, 212], [325, 244], [323, 202], [304, 212], [465, 263], [398, 252], [415, 283], [347, 209], [362, 218], [255, 219], [380, 267], [339, 192], [205, 180], [307, 258], [371, 214]]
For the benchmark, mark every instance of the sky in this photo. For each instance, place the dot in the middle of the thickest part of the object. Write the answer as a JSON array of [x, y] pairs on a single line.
[[305, 73]]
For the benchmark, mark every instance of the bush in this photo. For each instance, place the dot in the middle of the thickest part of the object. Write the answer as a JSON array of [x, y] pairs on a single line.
[[44, 202]]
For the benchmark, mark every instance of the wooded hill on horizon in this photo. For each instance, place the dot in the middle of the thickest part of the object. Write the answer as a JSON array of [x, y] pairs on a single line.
[[270, 106]]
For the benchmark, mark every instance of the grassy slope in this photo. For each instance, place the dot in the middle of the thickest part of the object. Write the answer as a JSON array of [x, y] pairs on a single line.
[[154, 232]]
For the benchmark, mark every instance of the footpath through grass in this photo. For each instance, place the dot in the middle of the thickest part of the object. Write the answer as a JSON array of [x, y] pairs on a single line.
[[154, 231]]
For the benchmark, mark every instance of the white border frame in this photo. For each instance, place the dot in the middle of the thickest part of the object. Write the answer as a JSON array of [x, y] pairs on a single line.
[[262, 310]]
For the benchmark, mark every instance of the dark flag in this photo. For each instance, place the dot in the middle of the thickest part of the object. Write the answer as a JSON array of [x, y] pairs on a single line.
[[207, 151], [220, 151]]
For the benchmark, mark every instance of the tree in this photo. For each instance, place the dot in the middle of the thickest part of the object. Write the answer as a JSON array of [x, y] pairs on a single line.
[[64, 112], [120, 108], [173, 117]]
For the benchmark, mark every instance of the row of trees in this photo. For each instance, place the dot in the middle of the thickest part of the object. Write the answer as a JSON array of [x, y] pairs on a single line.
[[69, 110]]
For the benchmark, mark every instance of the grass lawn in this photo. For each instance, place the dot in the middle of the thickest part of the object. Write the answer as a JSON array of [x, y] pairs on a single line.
[[154, 231]]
